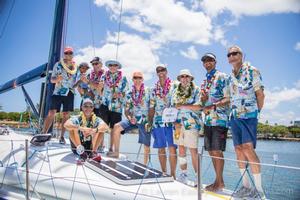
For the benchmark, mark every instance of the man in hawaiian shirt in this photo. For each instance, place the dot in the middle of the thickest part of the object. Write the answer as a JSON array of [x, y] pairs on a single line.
[[162, 132], [82, 81], [136, 112], [215, 100], [246, 101], [63, 76], [96, 83], [186, 99], [85, 131], [115, 86]]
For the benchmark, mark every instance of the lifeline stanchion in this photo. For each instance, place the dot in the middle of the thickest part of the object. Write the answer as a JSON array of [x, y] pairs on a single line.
[[27, 169], [199, 175]]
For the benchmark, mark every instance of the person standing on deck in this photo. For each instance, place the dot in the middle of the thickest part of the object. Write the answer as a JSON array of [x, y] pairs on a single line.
[[86, 131], [63, 76], [246, 101], [162, 132], [136, 112], [186, 98], [113, 99], [215, 100]]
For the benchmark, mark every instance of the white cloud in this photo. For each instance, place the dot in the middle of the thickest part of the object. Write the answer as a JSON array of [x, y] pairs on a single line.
[[275, 97], [166, 20], [283, 118], [135, 53], [190, 53], [250, 7], [297, 46]]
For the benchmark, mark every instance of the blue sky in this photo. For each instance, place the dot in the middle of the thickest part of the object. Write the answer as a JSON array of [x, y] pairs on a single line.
[[176, 33]]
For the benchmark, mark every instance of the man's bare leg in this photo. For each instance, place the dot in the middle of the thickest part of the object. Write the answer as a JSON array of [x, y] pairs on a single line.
[[48, 121], [218, 166], [146, 154], [162, 159], [173, 161], [97, 141]]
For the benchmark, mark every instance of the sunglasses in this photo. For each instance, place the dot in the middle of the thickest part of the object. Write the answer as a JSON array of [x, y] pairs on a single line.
[[233, 54], [137, 77], [69, 53], [114, 65], [95, 63], [90, 106], [184, 76], [160, 70]]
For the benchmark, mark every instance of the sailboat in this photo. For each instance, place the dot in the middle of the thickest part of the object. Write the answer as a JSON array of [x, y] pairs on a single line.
[[50, 171]]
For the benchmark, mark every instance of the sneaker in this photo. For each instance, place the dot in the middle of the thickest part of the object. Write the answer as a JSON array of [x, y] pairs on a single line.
[[62, 140], [112, 154], [95, 156], [242, 192], [183, 178]]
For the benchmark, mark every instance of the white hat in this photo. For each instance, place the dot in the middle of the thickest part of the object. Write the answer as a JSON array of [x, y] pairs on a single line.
[[185, 72], [87, 100]]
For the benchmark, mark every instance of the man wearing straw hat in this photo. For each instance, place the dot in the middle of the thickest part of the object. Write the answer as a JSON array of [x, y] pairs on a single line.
[[246, 101], [186, 99], [215, 99], [162, 132], [115, 86], [136, 112]]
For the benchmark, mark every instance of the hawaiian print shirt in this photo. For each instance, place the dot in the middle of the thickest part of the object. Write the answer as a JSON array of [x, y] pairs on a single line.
[[216, 88], [140, 111], [243, 100], [82, 85], [188, 118], [96, 78], [66, 85], [159, 104], [117, 104], [77, 120]]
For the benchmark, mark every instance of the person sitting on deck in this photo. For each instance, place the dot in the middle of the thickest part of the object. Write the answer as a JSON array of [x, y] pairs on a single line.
[[85, 131], [136, 111]]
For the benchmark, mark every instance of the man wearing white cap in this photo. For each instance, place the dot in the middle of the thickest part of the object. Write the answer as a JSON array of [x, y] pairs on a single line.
[[215, 99], [186, 99], [86, 131], [162, 132], [115, 86], [136, 112], [63, 76]]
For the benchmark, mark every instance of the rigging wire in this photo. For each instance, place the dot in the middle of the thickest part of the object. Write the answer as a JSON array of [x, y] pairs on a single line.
[[119, 29], [65, 27], [7, 19], [92, 27]]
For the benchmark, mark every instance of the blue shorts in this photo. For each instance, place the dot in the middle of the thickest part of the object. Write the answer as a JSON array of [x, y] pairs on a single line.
[[144, 137], [163, 137], [244, 131]]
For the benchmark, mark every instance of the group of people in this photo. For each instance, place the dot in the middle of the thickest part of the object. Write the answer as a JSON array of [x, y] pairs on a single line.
[[220, 102]]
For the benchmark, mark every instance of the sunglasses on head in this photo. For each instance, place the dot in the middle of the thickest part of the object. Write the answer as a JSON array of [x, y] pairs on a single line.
[[161, 70], [88, 106], [234, 53], [113, 65], [137, 77], [68, 53]]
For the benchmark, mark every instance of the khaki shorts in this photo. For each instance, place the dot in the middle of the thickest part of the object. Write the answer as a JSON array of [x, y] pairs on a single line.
[[188, 138]]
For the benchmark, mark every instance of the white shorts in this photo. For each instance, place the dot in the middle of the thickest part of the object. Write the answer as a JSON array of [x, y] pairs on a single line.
[[188, 138]]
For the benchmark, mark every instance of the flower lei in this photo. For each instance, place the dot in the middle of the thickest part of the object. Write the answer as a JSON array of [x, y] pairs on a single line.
[[66, 67], [248, 83], [84, 120], [206, 85], [162, 94], [110, 82], [138, 100], [181, 96], [96, 76]]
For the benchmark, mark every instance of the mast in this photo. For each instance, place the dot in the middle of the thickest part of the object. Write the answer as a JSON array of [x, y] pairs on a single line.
[[54, 56]]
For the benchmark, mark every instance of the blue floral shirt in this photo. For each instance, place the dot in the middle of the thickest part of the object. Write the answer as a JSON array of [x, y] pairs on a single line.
[[82, 85], [97, 96], [66, 85], [115, 104], [140, 111], [159, 104], [77, 120], [243, 100], [216, 89], [188, 118]]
